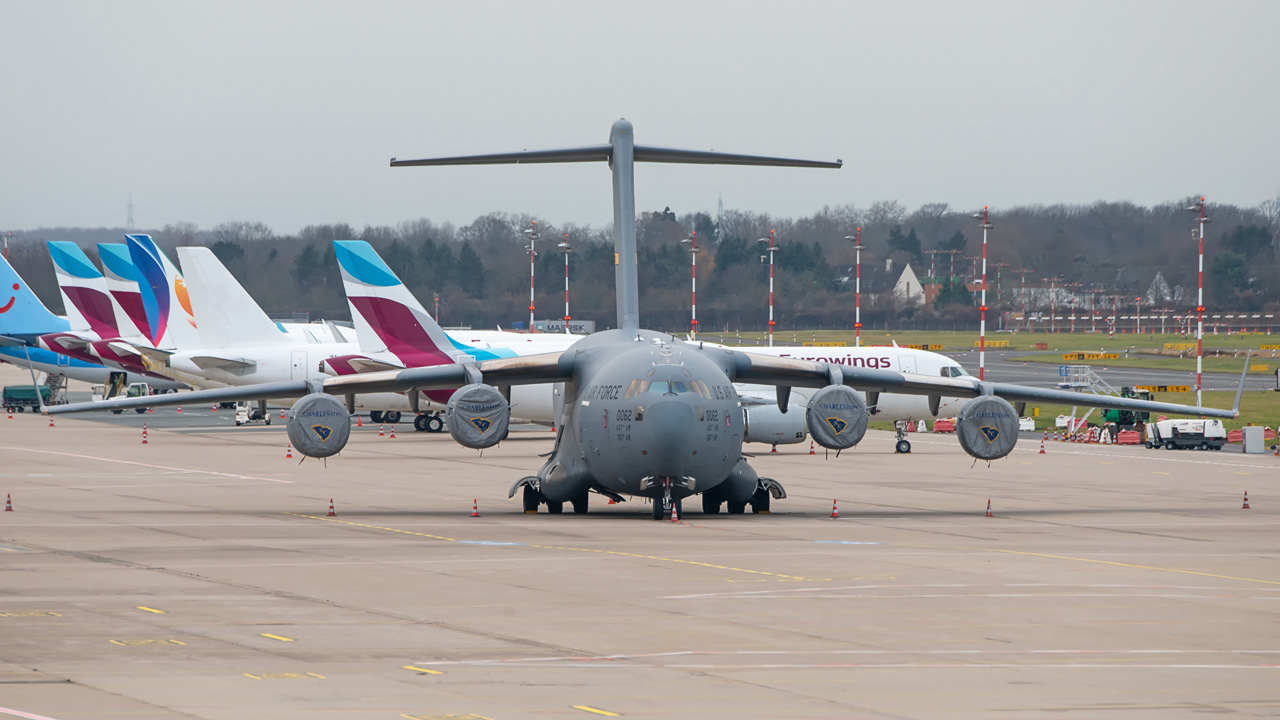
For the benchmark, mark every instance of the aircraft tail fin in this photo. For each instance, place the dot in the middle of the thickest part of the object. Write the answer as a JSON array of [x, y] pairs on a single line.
[[122, 283], [22, 315], [229, 316], [386, 315], [621, 153], [171, 324], [84, 290]]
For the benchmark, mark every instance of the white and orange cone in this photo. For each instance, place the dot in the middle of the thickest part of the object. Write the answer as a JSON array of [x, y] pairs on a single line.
[[8, 502], [332, 512], [144, 433], [989, 508], [811, 449], [1046, 437], [675, 512], [835, 510], [359, 421], [774, 450], [393, 431], [288, 451], [50, 421], [179, 409], [381, 433], [281, 413], [215, 407], [1246, 500], [475, 507]]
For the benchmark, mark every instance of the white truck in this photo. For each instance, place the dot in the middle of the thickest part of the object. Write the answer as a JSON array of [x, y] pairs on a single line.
[[1180, 434]]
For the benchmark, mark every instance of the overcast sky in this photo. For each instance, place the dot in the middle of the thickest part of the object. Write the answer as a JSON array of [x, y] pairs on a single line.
[[287, 113]]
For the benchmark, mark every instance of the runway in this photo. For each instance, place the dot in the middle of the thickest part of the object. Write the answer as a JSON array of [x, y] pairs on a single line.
[[199, 576], [1001, 368]]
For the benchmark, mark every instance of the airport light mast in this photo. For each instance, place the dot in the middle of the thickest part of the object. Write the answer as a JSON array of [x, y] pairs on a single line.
[[1053, 306], [532, 233], [1199, 207], [1023, 272], [564, 248], [772, 249], [858, 247], [692, 242], [985, 217]]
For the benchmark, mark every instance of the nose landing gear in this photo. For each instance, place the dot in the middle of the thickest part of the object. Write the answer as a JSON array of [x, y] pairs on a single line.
[[903, 446]]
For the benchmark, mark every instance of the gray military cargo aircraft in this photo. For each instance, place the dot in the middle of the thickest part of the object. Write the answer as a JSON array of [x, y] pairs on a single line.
[[646, 414]]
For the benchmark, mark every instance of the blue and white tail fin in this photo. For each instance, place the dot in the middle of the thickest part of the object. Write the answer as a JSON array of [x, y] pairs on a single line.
[[170, 321], [386, 315], [22, 315], [228, 315], [84, 291]]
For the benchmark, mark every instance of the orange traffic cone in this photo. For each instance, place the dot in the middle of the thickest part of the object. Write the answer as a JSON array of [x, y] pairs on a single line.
[[811, 450], [151, 410], [989, 508], [10, 413], [144, 433], [281, 413], [50, 421], [288, 451], [835, 511], [331, 511], [179, 409], [1046, 437], [359, 421], [380, 432], [215, 407], [8, 502], [475, 507], [1246, 500], [774, 450], [393, 431], [675, 512], [612, 502]]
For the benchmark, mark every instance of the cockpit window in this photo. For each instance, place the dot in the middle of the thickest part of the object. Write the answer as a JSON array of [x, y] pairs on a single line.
[[954, 371], [632, 389]]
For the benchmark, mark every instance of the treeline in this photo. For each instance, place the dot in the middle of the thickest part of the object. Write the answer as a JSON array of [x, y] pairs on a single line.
[[480, 272]]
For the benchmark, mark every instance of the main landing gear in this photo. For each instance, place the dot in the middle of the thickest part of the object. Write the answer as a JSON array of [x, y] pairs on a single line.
[[531, 497], [760, 500], [428, 422], [903, 446]]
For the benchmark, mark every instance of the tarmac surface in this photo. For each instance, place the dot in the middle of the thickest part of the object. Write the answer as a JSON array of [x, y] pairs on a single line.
[[199, 576]]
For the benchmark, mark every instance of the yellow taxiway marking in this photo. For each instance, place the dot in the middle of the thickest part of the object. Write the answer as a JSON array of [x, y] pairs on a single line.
[[445, 717], [1101, 562], [281, 638], [1104, 462], [38, 613], [282, 676], [558, 547], [1157, 472], [1242, 473], [147, 642], [597, 711], [422, 670], [144, 608], [372, 527]]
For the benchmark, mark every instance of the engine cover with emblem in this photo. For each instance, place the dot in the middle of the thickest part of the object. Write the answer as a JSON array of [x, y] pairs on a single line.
[[987, 427], [478, 416], [837, 417], [319, 425]]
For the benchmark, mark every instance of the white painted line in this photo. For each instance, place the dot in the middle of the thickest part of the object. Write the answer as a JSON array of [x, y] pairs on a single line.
[[19, 713], [149, 465]]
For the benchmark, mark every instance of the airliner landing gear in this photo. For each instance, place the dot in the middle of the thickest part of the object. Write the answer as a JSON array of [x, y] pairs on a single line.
[[903, 446], [427, 422]]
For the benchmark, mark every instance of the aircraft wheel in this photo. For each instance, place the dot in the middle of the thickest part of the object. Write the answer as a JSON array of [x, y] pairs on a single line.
[[760, 501], [903, 447], [140, 411], [420, 423], [435, 424], [391, 417], [555, 508], [531, 499], [375, 416], [710, 505], [113, 412], [659, 511], [737, 508], [580, 505]]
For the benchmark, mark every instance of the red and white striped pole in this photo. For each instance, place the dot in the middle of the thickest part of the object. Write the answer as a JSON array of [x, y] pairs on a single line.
[[532, 232], [772, 249], [1199, 207], [985, 217], [692, 242], [564, 248], [857, 285]]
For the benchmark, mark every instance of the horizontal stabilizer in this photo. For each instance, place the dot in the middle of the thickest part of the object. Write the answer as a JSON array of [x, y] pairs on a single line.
[[210, 362], [643, 153]]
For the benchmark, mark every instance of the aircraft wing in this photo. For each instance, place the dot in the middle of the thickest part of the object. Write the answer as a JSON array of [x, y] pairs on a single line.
[[6, 341], [765, 370], [525, 370]]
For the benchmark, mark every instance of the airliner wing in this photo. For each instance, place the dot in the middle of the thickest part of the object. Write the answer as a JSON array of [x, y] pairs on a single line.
[[765, 370], [525, 370]]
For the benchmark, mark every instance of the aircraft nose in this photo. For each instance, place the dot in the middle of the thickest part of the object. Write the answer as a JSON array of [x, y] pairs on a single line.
[[672, 425]]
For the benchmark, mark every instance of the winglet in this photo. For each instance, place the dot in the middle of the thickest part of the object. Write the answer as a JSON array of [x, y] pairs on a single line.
[[1240, 389]]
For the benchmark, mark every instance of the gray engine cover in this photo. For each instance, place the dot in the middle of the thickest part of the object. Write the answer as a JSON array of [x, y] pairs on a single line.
[[319, 425], [768, 424], [987, 427], [837, 417], [478, 416]]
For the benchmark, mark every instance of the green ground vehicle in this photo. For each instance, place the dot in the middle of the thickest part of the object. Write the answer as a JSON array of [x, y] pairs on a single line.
[[1128, 419], [20, 397]]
